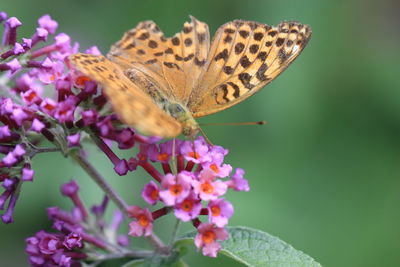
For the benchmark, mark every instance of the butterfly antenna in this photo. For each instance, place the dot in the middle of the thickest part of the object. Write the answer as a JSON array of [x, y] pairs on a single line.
[[206, 137], [235, 123]]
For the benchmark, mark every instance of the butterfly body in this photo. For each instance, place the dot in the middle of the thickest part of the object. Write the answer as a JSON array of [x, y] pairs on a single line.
[[160, 85]]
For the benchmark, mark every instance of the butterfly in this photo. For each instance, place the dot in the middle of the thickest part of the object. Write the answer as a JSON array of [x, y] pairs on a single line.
[[159, 85]]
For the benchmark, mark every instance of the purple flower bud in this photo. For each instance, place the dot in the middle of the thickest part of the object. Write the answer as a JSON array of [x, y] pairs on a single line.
[[93, 51], [89, 116], [73, 240], [49, 243], [13, 66], [123, 240], [4, 131], [63, 41], [40, 35], [19, 115], [9, 183], [73, 140], [19, 150], [48, 23], [27, 174], [121, 168], [9, 160], [3, 16], [70, 189], [18, 49], [27, 43], [13, 22], [10, 31], [37, 125]]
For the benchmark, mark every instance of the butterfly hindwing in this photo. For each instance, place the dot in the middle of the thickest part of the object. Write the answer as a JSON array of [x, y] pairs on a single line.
[[134, 107], [244, 57]]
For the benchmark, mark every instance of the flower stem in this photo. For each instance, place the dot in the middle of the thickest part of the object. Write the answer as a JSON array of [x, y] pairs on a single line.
[[101, 182], [175, 231], [118, 201]]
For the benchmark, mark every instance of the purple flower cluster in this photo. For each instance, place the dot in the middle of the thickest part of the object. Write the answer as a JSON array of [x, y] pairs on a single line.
[[41, 94], [76, 234], [201, 179]]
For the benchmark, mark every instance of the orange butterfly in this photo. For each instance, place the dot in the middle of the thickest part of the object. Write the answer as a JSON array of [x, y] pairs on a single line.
[[158, 85]]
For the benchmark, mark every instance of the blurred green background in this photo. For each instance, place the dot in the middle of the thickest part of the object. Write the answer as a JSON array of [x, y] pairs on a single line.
[[324, 171]]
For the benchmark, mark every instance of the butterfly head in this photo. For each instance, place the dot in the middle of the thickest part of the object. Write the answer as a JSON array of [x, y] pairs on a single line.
[[190, 128]]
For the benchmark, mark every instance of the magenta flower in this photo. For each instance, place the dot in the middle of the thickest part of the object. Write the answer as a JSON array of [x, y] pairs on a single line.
[[238, 183], [73, 240], [196, 151], [207, 187], [143, 225], [74, 139], [189, 208], [177, 187], [207, 237], [219, 212], [150, 193]]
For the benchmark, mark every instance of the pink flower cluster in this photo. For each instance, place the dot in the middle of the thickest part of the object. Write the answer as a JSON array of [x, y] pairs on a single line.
[[67, 246], [201, 179], [44, 98]]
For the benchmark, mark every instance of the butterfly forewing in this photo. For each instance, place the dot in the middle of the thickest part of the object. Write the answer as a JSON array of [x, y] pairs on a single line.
[[185, 58], [134, 107], [244, 57]]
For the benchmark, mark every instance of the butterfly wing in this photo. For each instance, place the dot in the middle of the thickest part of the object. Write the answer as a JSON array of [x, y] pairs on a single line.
[[134, 107], [244, 57], [173, 63]]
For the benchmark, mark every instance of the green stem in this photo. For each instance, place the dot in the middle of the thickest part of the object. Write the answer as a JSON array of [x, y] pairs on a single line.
[[101, 182], [175, 231]]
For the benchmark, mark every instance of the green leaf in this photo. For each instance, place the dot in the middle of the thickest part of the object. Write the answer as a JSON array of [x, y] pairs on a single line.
[[256, 248], [157, 260]]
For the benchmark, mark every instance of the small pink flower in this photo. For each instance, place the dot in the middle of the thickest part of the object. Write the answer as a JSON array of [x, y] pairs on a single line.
[[196, 151], [48, 23], [207, 188], [177, 187], [219, 212], [207, 237], [189, 208], [150, 193], [238, 183], [48, 106], [143, 225], [31, 97]]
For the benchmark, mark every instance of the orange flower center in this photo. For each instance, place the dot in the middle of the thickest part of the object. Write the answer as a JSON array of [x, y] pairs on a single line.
[[214, 167], [31, 96], [52, 78], [142, 157], [81, 80], [162, 157], [175, 189], [208, 237], [187, 205], [49, 107], [194, 155], [154, 194], [215, 211], [143, 221], [207, 188]]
